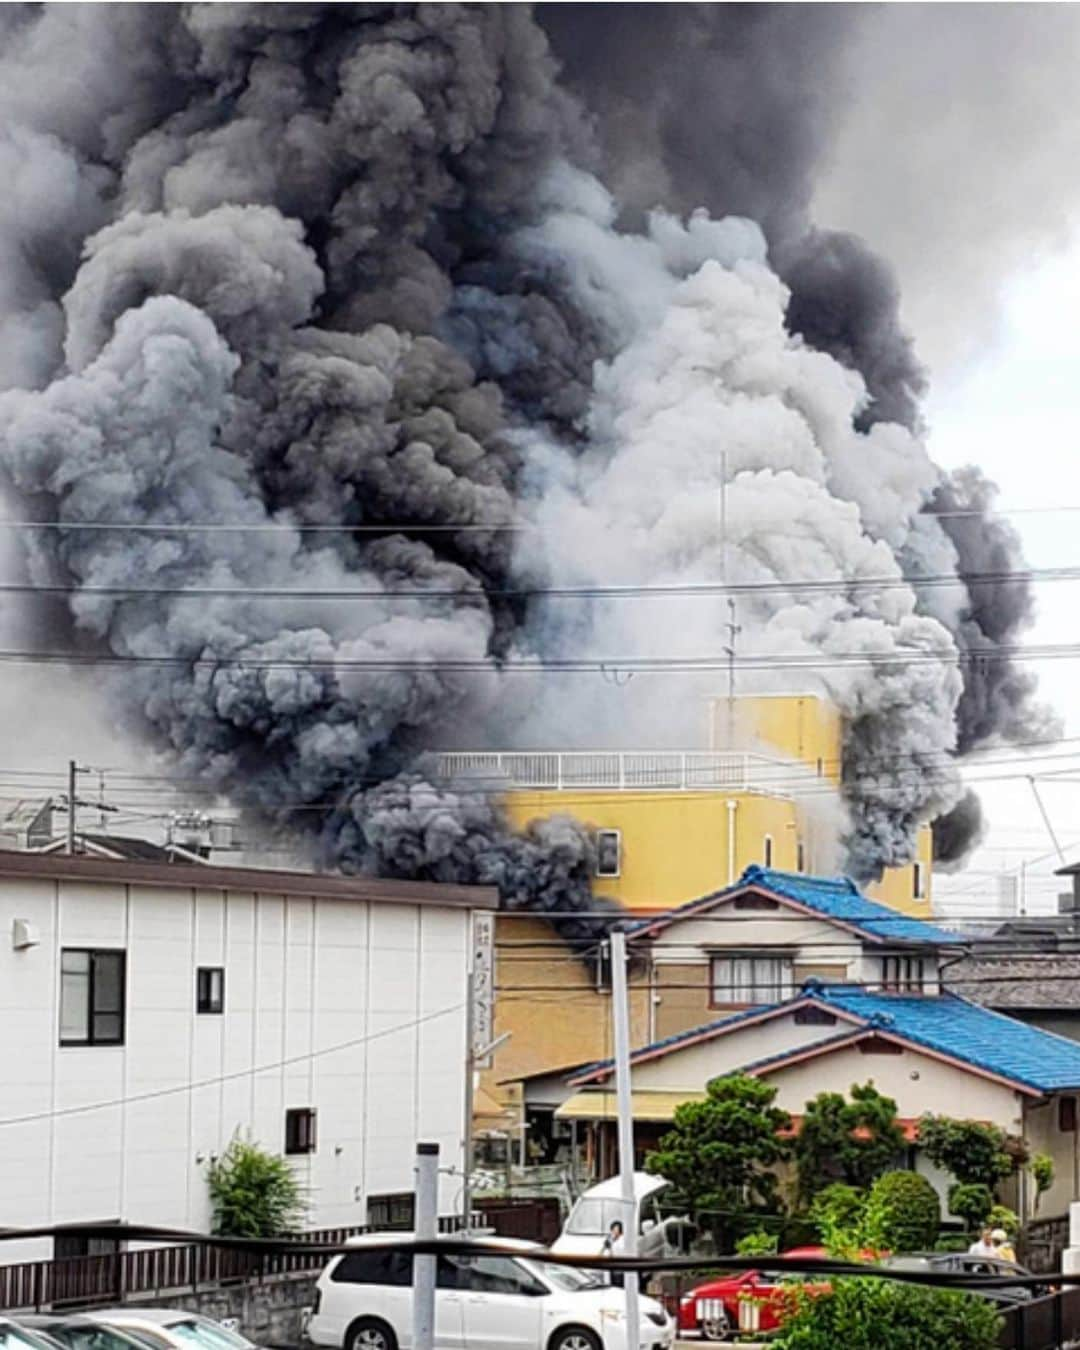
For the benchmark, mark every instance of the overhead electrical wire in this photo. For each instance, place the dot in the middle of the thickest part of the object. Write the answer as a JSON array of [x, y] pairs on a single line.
[[635, 591], [252, 1070]]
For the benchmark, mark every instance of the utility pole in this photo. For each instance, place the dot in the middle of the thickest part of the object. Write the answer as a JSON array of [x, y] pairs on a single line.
[[625, 1107], [733, 631], [426, 1230], [73, 772]]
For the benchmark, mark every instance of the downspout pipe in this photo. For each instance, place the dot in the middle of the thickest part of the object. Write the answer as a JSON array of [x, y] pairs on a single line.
[[732, 807]]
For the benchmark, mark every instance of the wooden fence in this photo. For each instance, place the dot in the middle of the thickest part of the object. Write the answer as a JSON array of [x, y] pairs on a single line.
[[83, 1281]]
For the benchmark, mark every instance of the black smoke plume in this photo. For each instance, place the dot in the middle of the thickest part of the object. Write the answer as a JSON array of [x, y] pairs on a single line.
[[295, 266]]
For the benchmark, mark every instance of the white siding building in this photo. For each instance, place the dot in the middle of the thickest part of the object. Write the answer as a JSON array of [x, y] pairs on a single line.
[[149, 1011]]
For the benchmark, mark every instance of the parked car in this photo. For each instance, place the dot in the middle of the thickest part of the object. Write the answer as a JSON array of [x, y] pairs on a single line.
[[363, 1301], [13, 1336], [171, 1328], [76, 1332], [964, 1263], [712, 1308]]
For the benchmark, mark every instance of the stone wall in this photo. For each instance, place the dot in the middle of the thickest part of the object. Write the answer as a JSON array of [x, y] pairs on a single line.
[[268, 1312]]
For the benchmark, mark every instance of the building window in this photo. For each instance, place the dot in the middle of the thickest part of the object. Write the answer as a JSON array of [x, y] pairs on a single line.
[[903, 974], [210, 989], [750, 979], [800, 856], [814, 1017], [394, 1210], [918, 881], [608, 853], [1067, 1115], [300, 1130], [91, 996], [766, 851]]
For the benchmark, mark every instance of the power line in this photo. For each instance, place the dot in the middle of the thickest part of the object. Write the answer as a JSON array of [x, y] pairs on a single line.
[[602, 665], [641, 590], [229, 1077]]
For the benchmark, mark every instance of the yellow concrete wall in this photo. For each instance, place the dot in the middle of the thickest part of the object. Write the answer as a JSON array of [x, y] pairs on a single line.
[[801, 727], [547, 999], [674, 844], [897, 887]]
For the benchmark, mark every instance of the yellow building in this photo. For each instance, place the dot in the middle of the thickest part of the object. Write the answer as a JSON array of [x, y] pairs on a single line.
[[670, 826], [673, 825]]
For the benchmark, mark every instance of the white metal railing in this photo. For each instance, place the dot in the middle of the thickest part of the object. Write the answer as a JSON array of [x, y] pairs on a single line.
[[625, 770]]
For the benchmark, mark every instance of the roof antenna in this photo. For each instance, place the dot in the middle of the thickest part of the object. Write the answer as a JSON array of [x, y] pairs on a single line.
[[1046, 821]]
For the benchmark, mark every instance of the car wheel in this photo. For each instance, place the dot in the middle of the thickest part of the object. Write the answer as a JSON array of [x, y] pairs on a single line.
[[370, 1333], [575, 1338], [718, 1328]]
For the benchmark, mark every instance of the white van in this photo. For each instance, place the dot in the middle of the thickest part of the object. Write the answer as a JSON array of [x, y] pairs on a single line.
[[363, 1301], [590, 1220]]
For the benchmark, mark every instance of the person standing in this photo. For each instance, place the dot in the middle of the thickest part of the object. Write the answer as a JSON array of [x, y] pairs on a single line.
[[614, 1246], [984, 1244], [1003, 1248]]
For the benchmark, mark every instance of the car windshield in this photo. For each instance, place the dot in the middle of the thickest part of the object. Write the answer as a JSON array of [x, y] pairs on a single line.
[[85, 1336], [16, 1338], [593, 1217], [565, 1278], [208, 1335]]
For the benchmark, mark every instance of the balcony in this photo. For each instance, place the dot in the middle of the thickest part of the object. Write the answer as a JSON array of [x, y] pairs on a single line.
[[624, 771]]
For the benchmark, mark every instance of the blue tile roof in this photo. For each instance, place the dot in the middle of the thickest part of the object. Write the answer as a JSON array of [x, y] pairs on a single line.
[[832, 897], [945, 1023], [953, 1026]]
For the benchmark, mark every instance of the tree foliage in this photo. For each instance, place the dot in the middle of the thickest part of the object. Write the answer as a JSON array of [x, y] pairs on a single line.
[[974, 1153], [837, 1213], [903, 1213], [875, 1314], [719, 1154], [253, 1193], [1042, 1173], [757, 1243], [852, 1141], [971, 1201]]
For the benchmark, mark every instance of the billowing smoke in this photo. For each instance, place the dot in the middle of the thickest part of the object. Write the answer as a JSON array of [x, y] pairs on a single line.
[[350, 267]]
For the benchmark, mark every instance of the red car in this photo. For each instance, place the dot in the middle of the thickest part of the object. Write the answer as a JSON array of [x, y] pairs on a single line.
[[713, 1308]]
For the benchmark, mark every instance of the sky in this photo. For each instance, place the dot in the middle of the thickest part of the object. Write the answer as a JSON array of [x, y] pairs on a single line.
[[1015, 410]]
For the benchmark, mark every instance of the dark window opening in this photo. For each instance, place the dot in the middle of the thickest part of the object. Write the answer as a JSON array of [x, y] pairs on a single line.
[[210, 989], [876, 1046], [1067, 1115], [766, 852], [759, 902], [92, 996], [300, 1130], [396, 1209], [918, 881], [800, 856], [608, 853], [814, 1017]]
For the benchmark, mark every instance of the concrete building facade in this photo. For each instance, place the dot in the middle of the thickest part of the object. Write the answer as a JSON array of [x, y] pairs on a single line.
[[149, 1012]]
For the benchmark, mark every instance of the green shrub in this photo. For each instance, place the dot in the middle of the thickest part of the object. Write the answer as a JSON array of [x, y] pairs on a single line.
[[974, 1153], [971, 1201], [1003, 1217], [1042, 1173], [876, 1314], [253, 1193], [837, 1212], [952, 1242], [757, 1244], [903, 1213]]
